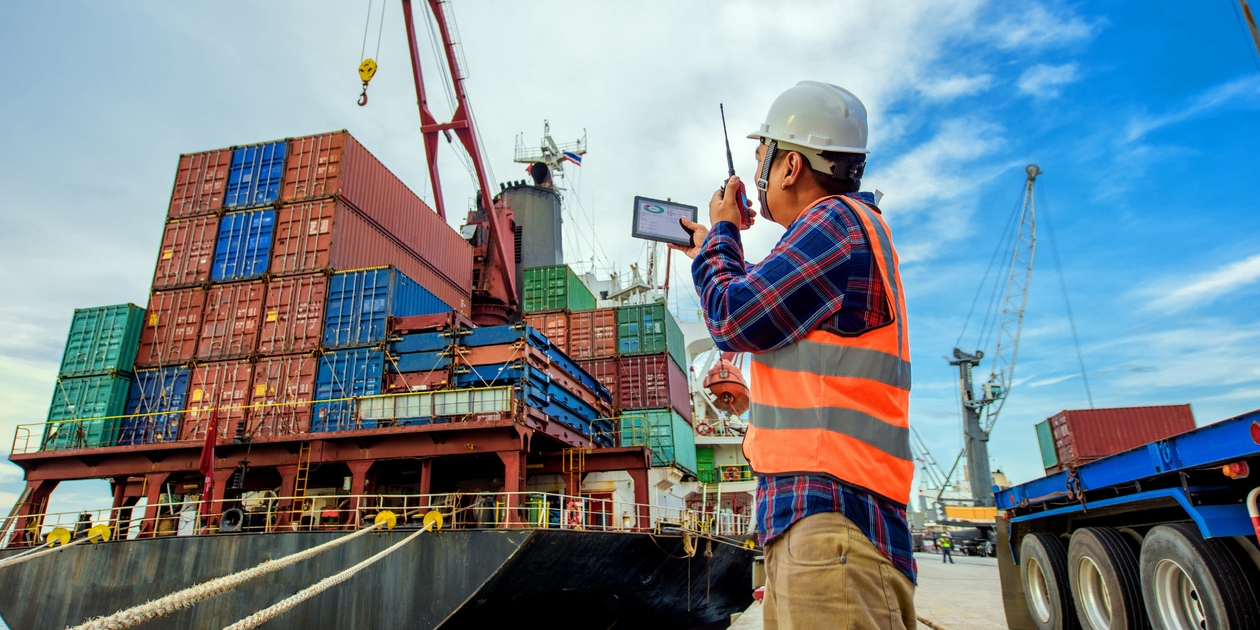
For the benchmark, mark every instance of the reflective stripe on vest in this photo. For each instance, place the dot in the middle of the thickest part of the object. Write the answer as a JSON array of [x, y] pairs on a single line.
[[837, 404]]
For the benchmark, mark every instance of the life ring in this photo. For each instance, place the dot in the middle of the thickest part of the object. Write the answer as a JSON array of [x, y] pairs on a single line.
[[704, 428], [731, 473]]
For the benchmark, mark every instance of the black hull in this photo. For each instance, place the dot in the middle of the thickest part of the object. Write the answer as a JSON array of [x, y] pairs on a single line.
[[448, 579]]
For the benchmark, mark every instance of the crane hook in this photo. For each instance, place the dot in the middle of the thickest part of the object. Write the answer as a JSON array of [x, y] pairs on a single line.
[[363, 96], [367, 70]]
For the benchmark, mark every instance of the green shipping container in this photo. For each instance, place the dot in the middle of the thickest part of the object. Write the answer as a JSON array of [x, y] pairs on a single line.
[[1045, 439], [665, 433], [650, 329], [102, 340], [556, 288], [83, 399], [704, 464]]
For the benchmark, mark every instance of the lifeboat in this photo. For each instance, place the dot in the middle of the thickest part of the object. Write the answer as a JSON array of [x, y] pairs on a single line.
[[727, 385]]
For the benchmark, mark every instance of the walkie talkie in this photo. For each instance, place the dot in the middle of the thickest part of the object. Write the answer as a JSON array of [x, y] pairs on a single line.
[[742, 196]]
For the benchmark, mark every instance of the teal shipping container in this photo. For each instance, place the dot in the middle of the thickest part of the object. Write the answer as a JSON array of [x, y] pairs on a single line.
[[650, 329], [665, 433], [1045, 440], [102, 340], [556, 288], [79, 408]]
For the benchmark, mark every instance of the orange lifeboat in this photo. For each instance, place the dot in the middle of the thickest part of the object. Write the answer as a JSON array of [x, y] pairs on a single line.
[[726, 383]]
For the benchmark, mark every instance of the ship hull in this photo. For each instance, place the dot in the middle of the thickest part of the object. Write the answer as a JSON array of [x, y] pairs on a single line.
[[448, 579]]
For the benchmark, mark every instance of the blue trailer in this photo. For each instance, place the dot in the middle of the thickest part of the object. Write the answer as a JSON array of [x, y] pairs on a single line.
[[1160, 536]]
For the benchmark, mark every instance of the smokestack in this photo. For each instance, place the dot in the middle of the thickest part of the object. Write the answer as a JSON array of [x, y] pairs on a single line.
[[541, 175]]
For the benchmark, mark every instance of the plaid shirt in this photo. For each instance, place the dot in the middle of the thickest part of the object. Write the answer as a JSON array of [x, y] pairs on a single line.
[[821, 272]]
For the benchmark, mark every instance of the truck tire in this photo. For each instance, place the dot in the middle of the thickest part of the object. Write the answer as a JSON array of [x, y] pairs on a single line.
[[1189, 582], [1103, 572], [1043, 570]]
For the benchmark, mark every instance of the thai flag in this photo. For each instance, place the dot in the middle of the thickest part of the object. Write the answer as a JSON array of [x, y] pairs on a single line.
[[570, 156]]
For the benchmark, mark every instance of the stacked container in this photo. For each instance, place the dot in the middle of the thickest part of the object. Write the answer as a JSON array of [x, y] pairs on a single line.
[[1074, 437], [666, 434], [555, 288]]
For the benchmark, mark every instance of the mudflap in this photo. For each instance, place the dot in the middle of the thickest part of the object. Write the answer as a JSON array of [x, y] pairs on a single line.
[[1017, 615]]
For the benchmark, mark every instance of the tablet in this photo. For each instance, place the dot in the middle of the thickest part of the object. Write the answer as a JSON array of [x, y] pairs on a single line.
[[657, 220]]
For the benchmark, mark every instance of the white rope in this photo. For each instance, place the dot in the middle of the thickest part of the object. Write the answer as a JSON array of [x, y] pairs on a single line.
[[285, 605], [31, 554], [190, 596]]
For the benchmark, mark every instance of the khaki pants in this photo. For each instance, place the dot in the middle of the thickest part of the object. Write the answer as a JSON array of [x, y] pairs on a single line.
[[825, 573]]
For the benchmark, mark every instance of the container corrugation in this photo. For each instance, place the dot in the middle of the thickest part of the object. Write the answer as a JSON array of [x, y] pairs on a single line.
[[200, 182], [255, 176], [281, 386], [555, 325], [593, 334], [157, 400], [336, 164], [81, 398], [1045, 442], [1082, 436], [607, 372], [666, 434], [424, 361], [293, 315], [420, 342], [653, 381], [172, 327], [346, 374], [187, 252], [328, 235], [649, 329], [418, 381], [243, 248], [555, 288], [360, 304], [223, 385], [102, 340], [231, 321], [515, 333]]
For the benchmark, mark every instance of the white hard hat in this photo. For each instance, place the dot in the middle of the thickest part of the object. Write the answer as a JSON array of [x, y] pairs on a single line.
[[813, 117]]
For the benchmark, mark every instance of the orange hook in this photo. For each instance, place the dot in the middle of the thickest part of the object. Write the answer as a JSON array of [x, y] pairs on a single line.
[[363, 96]]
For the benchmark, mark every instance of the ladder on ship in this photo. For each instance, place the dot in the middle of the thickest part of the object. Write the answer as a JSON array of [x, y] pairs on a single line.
[[300, 479]]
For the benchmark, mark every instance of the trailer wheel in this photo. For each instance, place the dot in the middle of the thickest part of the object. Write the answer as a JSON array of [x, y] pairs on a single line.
[[1043, 569], [1192, 583], [1103, 571]]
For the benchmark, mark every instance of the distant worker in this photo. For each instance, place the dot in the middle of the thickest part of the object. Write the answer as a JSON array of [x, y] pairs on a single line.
[[946, 546], [824, 316]]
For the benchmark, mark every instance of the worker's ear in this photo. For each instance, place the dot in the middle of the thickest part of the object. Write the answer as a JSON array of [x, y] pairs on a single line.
[[793, 167]]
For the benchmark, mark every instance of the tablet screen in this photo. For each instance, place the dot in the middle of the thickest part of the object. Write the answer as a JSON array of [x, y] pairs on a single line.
[[657, 220]]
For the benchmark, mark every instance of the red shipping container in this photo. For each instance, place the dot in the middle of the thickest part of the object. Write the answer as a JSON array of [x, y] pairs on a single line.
[[222, 385], [593, 334], [187, 252], [554, 325], [293, 315], [280, 398], [199, 183], [172, 325], [1082, 436], [653, 381], [335, 163], [417, 381], [605, 371], [231, 321], [328, 235], [435, 322]]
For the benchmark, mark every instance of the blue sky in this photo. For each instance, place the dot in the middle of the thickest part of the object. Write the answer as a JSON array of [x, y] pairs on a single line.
[[1145, 118]]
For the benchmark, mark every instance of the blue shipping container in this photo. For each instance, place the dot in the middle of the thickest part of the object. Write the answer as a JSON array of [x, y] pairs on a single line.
[[243, 251], [256, 175], [154, 392], [512, 333], [537, 390], [361, 302], [345, 374]]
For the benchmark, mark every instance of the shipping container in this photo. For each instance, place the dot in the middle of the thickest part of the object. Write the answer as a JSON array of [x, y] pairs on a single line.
[[1082, 436], [361, 302], [82, 399], [555, 325], [608, 373], [223, 386], [200, 182], [537, 390], [417, 381], [593, 334], [231, 321], [436, 406], [328, 235], [556, 288], [255, 176], [187, 252], [434, 341], [653, 381], [509, 334], [436, 322], [335, 164], [102, 340], [665, 433], [346, 374], [243, 248], [172, 328], [1045, 441], [650, 329], [705, 465], [155, 405], [293, 315], [280, 399]]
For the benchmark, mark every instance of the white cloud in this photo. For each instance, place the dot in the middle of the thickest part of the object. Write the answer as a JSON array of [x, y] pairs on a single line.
[[1044, 81], [1207, 101], [1034, 26], [1204, 289], [956, 86]]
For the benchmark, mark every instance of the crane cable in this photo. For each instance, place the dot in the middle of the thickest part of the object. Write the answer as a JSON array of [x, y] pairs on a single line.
[[1067, 304], [367, 65]]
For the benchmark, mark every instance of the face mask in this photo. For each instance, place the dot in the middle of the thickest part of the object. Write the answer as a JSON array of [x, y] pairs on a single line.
[[763, 180]]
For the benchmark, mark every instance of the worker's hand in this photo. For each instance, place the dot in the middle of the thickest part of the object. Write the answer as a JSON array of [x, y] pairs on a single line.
[[698, 233], [724, 206]]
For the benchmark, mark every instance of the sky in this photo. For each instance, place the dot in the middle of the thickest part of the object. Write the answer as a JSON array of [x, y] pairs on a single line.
[[1144, 117]]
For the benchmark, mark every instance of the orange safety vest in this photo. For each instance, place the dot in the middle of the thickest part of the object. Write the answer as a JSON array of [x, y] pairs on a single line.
[[838, 403]]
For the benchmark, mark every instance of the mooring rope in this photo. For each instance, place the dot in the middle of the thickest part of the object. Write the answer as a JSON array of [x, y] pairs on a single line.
[[31, 554]]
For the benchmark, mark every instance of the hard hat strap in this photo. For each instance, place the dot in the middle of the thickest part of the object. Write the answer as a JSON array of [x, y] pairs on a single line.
[[763, 179]]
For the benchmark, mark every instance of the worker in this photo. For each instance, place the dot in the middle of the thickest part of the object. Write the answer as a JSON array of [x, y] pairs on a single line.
[[824, 318], [947, 544]]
